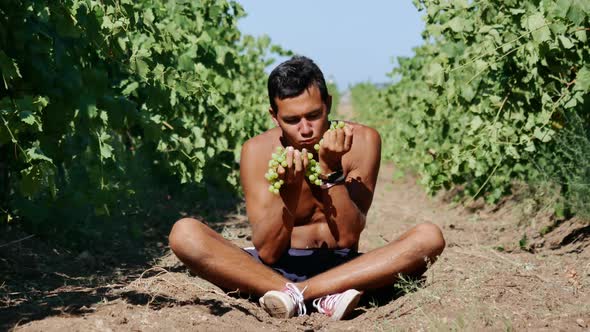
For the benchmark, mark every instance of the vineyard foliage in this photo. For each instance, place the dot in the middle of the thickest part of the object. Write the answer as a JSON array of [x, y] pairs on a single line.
[[102, 102], [333, 91], [498, 92]]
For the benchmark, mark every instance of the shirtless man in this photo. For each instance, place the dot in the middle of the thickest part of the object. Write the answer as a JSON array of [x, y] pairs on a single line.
[[306, 237]]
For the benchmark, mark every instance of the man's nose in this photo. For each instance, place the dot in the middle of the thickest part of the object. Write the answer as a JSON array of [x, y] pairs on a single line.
[[305, 128]]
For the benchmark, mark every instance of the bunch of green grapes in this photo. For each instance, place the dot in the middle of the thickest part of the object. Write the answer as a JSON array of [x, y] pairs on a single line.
[[280, 158], [333, 125], [313, 170]]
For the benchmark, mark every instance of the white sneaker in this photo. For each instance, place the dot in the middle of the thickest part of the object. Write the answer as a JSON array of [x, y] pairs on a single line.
[[282, 304], [338, 305]]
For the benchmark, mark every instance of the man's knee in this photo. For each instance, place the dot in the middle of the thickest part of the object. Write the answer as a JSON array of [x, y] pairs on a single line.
[[181, 234], [432, 237]]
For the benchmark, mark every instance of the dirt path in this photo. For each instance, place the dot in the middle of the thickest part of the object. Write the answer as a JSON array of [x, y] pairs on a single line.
[[483, 280]]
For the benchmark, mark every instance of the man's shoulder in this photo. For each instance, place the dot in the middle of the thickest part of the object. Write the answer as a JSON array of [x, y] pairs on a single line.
[[263, 141], [366, 147], [363, 134]]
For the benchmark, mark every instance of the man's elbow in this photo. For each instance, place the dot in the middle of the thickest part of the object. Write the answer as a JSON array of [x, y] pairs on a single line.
[[269, 255], [269, 251], [348, 240]]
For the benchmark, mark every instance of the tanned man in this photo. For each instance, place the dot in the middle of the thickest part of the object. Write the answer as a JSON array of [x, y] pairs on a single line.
[[306, 237]]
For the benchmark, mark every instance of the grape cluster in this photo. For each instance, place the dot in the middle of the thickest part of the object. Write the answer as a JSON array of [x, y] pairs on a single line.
[[333, 125], [279, 157]]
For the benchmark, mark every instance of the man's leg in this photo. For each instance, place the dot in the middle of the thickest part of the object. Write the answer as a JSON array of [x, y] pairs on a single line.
[[219, 261], [380, 267]]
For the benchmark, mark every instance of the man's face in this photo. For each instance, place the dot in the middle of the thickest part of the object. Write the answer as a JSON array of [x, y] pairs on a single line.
[[303, 119]]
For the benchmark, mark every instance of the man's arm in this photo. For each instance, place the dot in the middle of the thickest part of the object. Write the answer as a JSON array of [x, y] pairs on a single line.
[[272, 216], [347, 205]]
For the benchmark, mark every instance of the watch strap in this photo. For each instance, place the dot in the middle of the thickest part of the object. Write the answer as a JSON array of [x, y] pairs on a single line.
[[333, 179]]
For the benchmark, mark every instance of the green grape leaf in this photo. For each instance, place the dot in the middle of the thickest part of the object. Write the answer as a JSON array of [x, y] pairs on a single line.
[[476, 122], [435, 74], [31, 119], [106, 150], [130, 88], [36, 178], [578, 11], [560, 7], [583, 80], [8, 67], [538, 27], [141, 67], [35, 153], [543, 134], [566, 42]]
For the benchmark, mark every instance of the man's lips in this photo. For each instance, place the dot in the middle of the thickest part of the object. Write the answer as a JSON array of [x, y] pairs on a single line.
[[306, 142]]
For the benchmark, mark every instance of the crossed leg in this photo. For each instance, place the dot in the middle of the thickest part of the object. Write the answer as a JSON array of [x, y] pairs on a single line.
[[212, 257], [221, 262], [408, 255]]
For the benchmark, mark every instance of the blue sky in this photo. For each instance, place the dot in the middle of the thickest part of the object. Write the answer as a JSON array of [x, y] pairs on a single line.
[[351, 41]]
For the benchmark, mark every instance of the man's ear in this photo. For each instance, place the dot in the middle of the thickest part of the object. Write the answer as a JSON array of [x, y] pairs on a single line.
[[329, 103], [273, 115]]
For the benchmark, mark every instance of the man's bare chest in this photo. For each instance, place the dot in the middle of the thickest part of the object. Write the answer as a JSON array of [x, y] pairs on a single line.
[[310, 208]]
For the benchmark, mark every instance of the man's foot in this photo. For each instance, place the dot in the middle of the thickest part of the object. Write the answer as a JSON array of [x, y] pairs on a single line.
[[282, 304], [338, 305]]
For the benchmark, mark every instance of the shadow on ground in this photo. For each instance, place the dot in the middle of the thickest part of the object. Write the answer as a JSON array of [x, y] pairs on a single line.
[[41, 279]]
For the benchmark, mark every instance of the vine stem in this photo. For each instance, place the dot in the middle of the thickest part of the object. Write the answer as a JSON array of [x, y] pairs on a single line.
[[489, 177], [14, 140], [5, 84], [501, 107], [500, 58], [497, 48], [495, 120], [16, 241]]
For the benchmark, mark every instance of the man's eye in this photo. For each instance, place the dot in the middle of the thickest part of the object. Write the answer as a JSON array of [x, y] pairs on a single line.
[[314, 115], [290, 121]]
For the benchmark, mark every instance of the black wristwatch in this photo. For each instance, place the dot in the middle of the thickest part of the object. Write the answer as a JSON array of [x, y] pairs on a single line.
[[332, 179]]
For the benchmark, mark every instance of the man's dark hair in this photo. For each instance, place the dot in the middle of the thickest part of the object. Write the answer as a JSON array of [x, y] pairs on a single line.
[[292, 77]]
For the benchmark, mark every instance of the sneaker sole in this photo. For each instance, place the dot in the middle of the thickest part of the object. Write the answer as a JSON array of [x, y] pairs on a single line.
[[352, 297], [274, 305]]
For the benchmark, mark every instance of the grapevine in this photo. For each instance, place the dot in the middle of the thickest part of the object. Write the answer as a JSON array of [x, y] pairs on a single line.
[[483, 102], [170, 94]]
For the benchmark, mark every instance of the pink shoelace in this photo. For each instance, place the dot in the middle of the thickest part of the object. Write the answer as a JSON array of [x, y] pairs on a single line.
[[297, 296], [325, 305]]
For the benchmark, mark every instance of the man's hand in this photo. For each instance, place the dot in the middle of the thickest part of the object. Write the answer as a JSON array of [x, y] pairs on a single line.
[[335, 143], [294, 170]]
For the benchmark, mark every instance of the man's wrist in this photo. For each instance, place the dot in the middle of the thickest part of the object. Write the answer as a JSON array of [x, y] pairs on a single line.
[[332, 179], [328, 169]]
